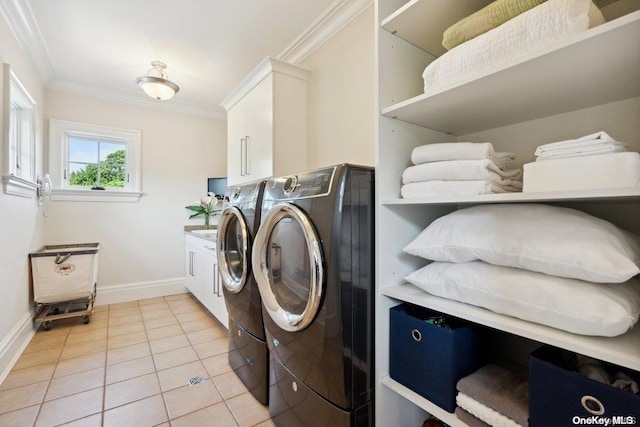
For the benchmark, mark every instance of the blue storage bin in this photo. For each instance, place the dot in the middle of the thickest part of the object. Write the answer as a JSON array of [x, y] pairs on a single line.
[[558, 396], [430, 359]]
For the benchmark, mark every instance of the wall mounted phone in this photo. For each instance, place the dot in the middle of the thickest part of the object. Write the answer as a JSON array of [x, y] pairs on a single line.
[[44, 193]]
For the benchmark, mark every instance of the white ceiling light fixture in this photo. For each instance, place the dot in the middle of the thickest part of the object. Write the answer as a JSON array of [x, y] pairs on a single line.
[[158, 86]]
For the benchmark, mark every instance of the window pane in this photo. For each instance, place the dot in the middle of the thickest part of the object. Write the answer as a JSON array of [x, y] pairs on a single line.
[[83, 150], [112, 164], [83, 174]]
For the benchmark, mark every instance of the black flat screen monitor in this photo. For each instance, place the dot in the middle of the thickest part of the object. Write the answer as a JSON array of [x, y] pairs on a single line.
[[217, 186]]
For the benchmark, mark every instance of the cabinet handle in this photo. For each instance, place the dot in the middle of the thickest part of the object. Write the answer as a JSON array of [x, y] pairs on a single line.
[[246, 152], [190, 263], [242, 157], [215, 279]]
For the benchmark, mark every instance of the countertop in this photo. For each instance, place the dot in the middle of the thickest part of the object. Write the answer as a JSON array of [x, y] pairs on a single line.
[[199, 231]]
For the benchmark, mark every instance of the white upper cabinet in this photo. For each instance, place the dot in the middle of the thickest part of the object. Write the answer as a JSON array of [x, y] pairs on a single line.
[[267, 123]]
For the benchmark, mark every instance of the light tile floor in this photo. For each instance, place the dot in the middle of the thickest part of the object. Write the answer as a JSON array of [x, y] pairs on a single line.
[[130, 367]]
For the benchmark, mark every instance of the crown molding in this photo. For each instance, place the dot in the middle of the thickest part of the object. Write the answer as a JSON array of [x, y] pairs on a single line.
[[136, 98], [266, 67], [19, 18], [25, 29], [335, 18]]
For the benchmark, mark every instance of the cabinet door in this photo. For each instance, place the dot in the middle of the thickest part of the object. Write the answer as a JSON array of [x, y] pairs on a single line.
[[220, 306], [236, 140], [213, 298], [259, 142], [193, 264]]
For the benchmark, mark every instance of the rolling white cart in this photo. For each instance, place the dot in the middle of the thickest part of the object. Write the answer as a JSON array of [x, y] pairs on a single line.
[[64, 282]]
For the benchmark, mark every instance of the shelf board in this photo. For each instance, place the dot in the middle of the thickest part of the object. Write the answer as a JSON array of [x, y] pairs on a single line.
[[600, 195], [594, 67], [623, 350], [425, 404], [423, 22]]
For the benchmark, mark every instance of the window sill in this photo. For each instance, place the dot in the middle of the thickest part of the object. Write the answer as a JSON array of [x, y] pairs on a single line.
[[67, 195], [19, 186]]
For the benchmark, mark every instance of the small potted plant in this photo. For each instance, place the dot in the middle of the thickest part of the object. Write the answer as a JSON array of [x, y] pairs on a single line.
[[206, 206]]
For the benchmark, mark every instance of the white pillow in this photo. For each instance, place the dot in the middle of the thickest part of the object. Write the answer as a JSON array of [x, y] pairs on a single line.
[[572, 305], [548, 239]]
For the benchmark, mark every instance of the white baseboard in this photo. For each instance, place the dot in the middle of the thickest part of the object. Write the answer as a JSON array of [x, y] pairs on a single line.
[[14, 344], [141, 290]]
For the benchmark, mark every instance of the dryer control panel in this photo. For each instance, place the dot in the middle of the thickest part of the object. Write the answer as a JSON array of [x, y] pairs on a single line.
[[245, 193], [301, 186]]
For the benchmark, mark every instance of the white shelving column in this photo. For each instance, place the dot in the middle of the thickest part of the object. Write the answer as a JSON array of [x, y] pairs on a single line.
[[545, 109]]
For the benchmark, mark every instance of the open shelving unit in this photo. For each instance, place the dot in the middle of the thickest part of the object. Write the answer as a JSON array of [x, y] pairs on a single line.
[[621, 350], [498, 98], [587, 83]]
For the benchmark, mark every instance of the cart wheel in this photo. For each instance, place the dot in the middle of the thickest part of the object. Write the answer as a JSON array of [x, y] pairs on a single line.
[[56, 311], [47, 325], [86, 320]]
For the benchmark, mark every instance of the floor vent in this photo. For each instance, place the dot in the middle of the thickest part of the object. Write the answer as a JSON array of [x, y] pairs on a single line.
[[196, 380]]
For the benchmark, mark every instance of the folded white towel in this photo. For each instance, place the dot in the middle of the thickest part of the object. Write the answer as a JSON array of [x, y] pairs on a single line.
[[588, 145], [615, 170], [592, 150], [416, 190], [483, 412], [458, 170], [460, 151], [594, 138]]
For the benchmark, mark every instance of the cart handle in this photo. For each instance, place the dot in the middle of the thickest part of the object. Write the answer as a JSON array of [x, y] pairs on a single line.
[[60, 259]]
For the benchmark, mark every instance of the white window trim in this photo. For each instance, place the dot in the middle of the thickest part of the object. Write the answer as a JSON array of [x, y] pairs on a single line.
[[13, 184], [60, 130]]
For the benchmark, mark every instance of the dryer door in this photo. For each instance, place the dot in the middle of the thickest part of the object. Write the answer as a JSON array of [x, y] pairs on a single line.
[[287, 257], [234, 249]]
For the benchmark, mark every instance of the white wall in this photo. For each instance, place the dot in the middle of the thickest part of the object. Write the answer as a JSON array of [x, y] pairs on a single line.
[[341, 97], [142, 244], [21, 224]]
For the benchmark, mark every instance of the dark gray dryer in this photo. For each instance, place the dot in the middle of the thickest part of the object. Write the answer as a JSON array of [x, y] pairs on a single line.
[[313, 261], [248, 353]]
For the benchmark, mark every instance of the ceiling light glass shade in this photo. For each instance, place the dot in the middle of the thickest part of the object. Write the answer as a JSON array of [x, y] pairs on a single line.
[[158, 87]]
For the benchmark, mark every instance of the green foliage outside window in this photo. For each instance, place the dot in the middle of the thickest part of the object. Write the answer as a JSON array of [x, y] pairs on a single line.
[[112, 172]]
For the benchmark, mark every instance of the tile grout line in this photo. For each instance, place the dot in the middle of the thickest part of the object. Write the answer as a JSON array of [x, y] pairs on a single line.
[[155, 367], [44, 396]]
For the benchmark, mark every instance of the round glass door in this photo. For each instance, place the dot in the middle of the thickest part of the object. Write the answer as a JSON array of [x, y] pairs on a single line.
[[288, 267], [233, 249]]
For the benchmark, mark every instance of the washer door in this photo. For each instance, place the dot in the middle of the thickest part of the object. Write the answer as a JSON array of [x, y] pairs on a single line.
[[287, 257], [234, 249]]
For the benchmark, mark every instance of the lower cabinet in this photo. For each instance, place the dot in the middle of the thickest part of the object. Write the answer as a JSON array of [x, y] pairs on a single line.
[[203, 276]]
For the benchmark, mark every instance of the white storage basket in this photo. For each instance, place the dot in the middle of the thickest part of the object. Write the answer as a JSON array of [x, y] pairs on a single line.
[[64, 272]]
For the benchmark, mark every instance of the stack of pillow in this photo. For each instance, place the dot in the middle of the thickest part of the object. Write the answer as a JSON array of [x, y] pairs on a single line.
[[459, 169], [545, 264]]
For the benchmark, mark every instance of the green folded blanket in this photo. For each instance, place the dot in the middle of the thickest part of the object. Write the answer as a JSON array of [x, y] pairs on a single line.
[[487, 18]]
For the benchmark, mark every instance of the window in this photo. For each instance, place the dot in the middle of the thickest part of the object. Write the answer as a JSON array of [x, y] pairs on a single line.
[[19, 163], [94, 162]]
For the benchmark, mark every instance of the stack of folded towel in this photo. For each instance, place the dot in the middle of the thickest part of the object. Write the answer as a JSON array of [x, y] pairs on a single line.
[[594, 161], [459, 169], [487, 18], [493, 396]]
